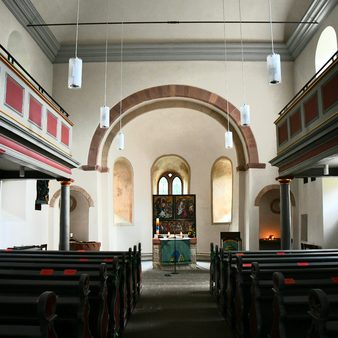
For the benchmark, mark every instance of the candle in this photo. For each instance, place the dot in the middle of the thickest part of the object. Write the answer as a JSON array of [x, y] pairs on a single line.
[[168, 233], [181, 234], [157, 222]]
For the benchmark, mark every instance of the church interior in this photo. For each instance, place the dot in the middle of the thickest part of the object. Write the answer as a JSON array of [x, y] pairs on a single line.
[[172, 134]]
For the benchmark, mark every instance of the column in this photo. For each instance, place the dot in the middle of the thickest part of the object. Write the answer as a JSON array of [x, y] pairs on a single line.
[[64, 214], [285, 212]]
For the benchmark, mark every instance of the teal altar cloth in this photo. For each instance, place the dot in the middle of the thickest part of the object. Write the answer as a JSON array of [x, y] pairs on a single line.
[[182, 252]]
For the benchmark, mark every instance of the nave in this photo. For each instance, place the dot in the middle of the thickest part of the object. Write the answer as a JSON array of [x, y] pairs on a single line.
[[176, 305]]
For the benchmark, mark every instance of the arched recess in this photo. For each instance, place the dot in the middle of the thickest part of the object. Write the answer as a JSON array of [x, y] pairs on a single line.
[[80, 202], [269, 215], [123, 191], [17, 47], [326, 47], [222, 190], [166, 96], [170, 163]]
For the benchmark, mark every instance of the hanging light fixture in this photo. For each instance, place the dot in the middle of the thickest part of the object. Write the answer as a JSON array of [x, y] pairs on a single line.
[[104, 110], [273, 60], [75, 64], [326, 170], [120, 141], [245, 108], [228, 133]]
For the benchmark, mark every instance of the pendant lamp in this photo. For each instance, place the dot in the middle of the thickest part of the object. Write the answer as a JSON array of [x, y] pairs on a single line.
[[229, 143], [120, 140], [273, 60], [245, 114], [75, 64], [104, 110], [245, 108]]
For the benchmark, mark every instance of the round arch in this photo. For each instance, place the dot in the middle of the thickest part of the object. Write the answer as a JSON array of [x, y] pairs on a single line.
[[269, 188], [82, 191], [172, 96]]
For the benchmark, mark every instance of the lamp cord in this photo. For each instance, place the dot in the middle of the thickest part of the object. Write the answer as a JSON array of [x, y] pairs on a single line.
[[121, 74], [77, 26], [242, 52], [225, 65], [270, 13], [106, 60]]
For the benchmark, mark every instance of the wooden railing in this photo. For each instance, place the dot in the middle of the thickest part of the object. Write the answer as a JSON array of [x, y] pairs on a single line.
[[311, 108], [27, 108]]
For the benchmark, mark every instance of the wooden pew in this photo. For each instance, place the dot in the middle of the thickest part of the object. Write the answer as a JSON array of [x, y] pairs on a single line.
[[324, 314], [126, 285], [260, 313], [290, 305], [72, 304], [27, 316], [98, 296]]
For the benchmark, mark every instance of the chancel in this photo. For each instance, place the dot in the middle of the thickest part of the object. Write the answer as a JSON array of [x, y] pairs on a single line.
[[195, 140]]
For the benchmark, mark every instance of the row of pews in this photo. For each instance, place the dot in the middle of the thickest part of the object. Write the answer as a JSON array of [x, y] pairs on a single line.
[[68, 294], [277, 294]]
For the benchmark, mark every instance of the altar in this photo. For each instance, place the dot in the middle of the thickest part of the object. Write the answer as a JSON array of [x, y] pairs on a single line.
[[170, 251]]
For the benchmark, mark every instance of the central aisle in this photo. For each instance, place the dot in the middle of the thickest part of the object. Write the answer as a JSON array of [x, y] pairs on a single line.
[[176, 306]]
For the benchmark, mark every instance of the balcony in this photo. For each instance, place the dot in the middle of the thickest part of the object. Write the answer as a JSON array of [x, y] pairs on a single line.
[[307, 127], [35, 131]]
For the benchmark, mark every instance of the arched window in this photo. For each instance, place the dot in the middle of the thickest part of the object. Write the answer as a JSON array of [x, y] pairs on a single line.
[[123, 190], [326, 47], [221, 183], [170, 183]]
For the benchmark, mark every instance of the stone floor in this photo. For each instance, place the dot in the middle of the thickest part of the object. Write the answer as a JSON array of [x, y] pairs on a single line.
[[176, 306]]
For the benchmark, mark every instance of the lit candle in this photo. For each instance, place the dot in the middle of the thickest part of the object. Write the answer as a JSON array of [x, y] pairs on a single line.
[[168, 233], [157, 222], [181, 234]]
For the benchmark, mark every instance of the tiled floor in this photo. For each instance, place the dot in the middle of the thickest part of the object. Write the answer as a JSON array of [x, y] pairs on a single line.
[[176, 306]]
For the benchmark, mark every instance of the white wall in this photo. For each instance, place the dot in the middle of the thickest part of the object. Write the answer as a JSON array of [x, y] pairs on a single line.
[[20, 223], [330, 215]]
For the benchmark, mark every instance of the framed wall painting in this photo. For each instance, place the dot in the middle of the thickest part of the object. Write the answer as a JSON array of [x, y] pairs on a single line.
[[175, 214]]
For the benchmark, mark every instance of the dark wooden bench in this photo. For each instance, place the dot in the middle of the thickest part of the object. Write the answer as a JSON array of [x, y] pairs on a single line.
[[98, 296], [291, 317], [323, 309], [72, 303], [124, 282], [27, 316]]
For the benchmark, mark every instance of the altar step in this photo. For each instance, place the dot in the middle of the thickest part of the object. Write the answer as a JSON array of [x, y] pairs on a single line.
[[176, 306]]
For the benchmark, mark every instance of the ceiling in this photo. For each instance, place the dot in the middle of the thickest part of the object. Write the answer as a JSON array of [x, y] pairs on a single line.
[[170, 41]]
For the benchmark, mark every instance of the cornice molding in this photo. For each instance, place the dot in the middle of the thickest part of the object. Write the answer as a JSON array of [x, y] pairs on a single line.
[[25, 13], [318, 11], [173, 52]]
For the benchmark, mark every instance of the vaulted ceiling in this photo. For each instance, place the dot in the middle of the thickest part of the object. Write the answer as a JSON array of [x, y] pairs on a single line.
[[163, 30]]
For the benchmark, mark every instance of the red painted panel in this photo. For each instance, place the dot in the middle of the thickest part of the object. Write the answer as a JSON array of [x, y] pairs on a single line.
[[330, 93], [283, 132], [14, 94], [35, 111], [311, 109], [52, 122], [295, 123], [65, 134]]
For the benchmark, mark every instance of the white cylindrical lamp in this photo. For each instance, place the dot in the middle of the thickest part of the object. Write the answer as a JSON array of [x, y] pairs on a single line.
[[228, 140], [75, 73], [245, 114], [104, 117], [120, 140], [274, 68], [326, 170]]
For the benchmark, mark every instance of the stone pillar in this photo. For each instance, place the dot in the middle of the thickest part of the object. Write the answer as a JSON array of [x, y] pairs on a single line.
[[64, 214], [285, 212]]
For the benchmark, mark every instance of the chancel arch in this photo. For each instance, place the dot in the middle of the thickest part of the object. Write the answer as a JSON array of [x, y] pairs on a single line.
[[123, 191], [167, 96]]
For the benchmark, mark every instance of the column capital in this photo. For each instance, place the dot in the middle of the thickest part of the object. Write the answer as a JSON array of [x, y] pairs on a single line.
[[65, 181], [284, 180]]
